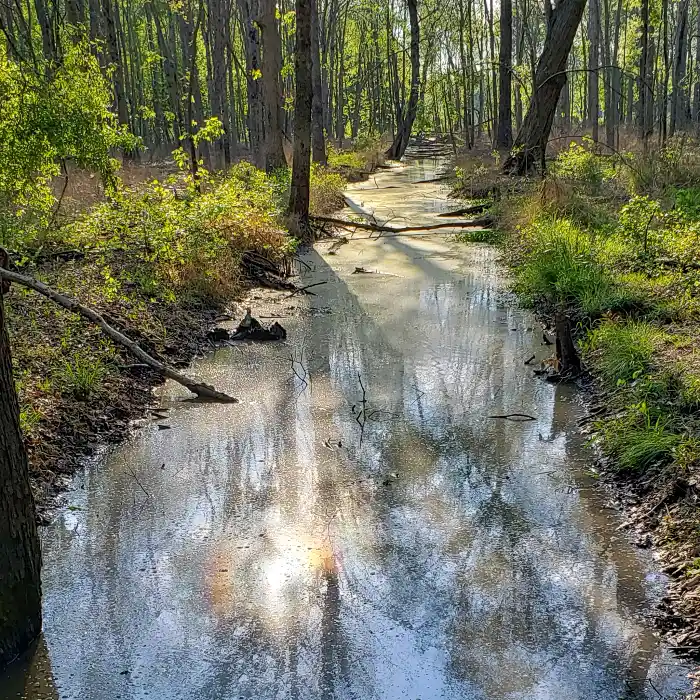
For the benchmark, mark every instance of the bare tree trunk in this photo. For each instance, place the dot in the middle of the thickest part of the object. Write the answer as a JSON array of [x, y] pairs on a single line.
[[20, 554], [318, 138], [403, 134], [504, 138], [272, 91], [550, 78], [593, 63], [301, 168], [679, 103]]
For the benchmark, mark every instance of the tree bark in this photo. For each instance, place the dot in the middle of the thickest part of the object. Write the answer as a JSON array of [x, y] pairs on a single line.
[[593, 63], [20, 554], [318, 138], [272, 91], [403, 133], [504, 134], [550, 78], [301, 167]]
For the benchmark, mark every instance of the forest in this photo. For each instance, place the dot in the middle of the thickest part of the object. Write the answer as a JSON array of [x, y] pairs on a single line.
[[161, 160]]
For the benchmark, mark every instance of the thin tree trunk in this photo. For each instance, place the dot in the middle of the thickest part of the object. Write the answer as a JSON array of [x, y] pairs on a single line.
[[318, 138], [504, 138], [301, 168], [272, 91]]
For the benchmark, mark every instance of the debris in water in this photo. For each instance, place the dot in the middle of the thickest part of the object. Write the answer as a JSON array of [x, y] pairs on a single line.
[[251, 329]]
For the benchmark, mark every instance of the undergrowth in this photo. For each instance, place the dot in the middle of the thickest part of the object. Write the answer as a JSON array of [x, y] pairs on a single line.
[[615, 241]]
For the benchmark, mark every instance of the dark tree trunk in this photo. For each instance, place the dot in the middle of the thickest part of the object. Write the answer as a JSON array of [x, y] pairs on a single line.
[[403, 132], [272, 90], [550, 78], [20, 582], [504, 134], [593, 63], [318, 139], [301, 168]]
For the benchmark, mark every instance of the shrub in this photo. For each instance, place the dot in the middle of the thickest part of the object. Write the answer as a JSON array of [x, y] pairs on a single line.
[[580, 164]]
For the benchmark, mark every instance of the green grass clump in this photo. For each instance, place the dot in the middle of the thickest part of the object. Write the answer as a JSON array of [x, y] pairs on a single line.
[[623, 352], [562, 267], [640, 447], [83, 375]]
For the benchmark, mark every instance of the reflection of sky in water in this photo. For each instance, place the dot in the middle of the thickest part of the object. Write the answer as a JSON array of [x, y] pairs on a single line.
[[445, 554]]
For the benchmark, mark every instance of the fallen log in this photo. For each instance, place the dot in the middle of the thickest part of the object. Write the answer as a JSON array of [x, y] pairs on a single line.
[[483, 221], [474, 209], [203, 391]]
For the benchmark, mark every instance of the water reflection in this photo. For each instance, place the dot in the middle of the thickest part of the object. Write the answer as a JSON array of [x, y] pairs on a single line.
[[275, 549]]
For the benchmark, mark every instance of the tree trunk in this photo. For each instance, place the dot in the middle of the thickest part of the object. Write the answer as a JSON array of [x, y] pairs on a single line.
[[679, 102], [593, 63], [318, 138], [272, 91], [550, 78], [301, 168], [504, 138], [403, 134], [567, 356], [20, 554]]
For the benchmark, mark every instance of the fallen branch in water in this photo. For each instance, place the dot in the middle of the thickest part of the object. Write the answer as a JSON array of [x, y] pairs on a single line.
[[203, 391], [474, 209], [483, 221], [305, 290], [516, 417]]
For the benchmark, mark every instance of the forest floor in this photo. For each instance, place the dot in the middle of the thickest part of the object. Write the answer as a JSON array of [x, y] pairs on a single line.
[[163, 264], [614, 241]]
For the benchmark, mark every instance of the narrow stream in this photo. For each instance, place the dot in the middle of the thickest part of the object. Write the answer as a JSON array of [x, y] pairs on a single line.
[[358, 527]]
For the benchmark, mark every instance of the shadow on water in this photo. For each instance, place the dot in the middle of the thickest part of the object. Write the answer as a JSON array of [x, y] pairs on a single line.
[[282, 548]]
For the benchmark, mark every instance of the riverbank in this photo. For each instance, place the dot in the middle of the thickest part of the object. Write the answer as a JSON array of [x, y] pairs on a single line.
[[163, 264], [613, 244]]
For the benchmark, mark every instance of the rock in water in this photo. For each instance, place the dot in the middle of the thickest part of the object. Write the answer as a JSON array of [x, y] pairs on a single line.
[[218, 335]]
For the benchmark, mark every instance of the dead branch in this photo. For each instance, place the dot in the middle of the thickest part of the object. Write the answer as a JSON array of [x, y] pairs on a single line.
[[203, 391], [483, 221], [466, 211]]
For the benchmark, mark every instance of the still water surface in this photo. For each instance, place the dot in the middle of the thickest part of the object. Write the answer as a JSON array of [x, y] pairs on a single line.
[[358, 527]]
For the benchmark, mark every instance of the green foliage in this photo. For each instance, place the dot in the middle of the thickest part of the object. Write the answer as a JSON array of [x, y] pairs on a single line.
[[687, 202], [184, 242], [562, 267], [623, 353], [639, 442], [580, 164], [637, 223], [46, 121], [82, 375]]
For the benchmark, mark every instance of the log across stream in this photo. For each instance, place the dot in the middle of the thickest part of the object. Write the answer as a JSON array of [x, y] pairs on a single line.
[[397, 508]]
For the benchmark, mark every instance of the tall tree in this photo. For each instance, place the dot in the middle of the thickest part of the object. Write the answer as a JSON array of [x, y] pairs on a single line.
[[20, 582], [550, 79], [301, 166], [272, 92], [405, 127], [504, 133]]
